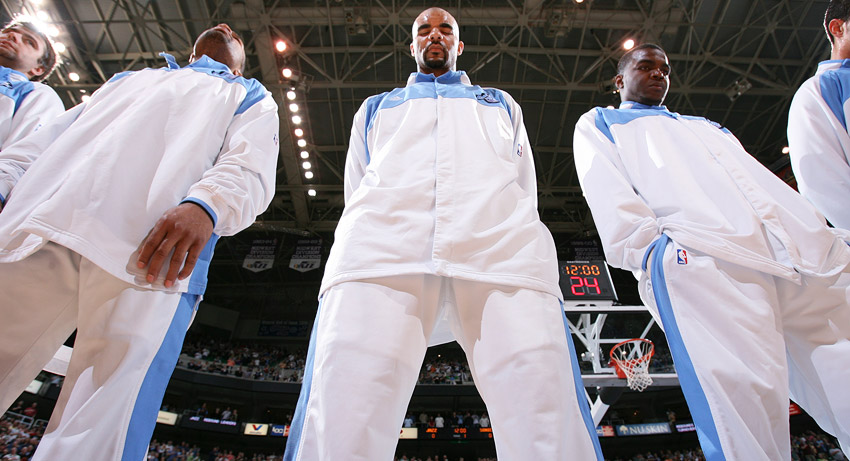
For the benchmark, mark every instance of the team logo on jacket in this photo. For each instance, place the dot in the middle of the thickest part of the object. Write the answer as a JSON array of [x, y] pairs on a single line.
[[681, 256], [6, 84], [487, 97]]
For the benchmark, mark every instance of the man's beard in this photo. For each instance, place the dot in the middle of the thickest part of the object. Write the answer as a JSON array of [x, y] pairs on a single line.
[[435, 63]]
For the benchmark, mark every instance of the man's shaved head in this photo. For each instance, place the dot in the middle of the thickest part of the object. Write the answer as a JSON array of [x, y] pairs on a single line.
[[425, 15], [436, 41]]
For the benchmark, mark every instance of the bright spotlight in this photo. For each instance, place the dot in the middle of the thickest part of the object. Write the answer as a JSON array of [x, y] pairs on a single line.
[[628, 44], [311, 192], [308, 174], [293, 107], [302, 143], [296, 119], [305, 154], [307, 165], [287, 72], [290, 95], [299, 132], [75, 77], [280, 46]]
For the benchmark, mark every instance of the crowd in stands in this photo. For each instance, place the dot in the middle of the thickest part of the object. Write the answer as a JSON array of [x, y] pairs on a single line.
[[274, 363], [169, 451], [806, 447], [456, 419], [17, 439], [436, 458], [815, 447], [224, 414], [665, 455], [258, 361]]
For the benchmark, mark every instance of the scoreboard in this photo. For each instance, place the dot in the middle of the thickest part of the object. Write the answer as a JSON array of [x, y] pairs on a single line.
[[586, 281]]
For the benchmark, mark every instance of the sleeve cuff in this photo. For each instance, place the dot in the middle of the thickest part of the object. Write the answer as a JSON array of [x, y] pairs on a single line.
[[203, 205]]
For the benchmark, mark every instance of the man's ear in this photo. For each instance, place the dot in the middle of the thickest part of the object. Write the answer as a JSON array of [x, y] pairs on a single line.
[[618, 81], [459, 48], [412, 53], [36, 71], [236, 72], [836, 28]]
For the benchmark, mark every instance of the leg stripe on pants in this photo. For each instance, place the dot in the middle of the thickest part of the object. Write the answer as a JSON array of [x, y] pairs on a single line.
[[694, 394], [580, 393], [293, 442], [143, 418]]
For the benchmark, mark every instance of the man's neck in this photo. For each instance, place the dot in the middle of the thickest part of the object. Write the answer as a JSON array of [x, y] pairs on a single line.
[[839, 53], [434, 72]]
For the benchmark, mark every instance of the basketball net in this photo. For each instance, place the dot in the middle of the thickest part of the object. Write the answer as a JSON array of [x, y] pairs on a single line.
[[631, 359]]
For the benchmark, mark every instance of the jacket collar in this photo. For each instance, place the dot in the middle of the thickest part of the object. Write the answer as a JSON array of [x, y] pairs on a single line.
[[637, 105], [450, 77]]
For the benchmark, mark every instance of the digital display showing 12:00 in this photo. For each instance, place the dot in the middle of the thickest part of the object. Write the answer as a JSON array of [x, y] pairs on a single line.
[[586, 281]]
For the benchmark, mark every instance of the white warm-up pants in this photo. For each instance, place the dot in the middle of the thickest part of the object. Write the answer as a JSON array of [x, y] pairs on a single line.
[[367, 348], [743, 341], [127, 344]]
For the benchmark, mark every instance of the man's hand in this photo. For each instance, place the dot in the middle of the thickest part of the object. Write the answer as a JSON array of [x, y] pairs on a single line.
[[185, 229]]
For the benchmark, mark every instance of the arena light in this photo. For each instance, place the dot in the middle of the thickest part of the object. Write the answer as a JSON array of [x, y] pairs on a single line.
[[305, 154], [302, 143], [307, 165], [287, 72], [290, 95], [296, 119], [786, 150], [299, 132], [59, 47], [628, 44], [280, 46], [308, 174], [579, 1], [42, 15], [293, 107], [75, 77], [311, 192], [85, 98]]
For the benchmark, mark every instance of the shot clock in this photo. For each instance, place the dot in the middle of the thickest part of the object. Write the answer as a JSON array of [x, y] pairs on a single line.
[[586, 281]]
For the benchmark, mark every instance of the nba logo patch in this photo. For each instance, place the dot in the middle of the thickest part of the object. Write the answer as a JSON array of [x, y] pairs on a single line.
[[681, 256], [519, 150]]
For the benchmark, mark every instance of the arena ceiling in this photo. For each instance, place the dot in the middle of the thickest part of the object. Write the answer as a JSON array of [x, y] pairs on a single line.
[[736, 62]]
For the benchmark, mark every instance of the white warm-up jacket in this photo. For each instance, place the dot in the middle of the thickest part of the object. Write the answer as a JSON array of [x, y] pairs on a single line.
[[819, 141], [99, 176], [440, 180], [24, 106], [647, 171]]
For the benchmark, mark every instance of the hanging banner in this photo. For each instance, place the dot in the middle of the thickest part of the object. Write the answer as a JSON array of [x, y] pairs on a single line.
[[261, 255], [307, 256]]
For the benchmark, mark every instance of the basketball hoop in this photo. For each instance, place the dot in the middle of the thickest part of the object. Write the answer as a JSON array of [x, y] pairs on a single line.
[[631, 359]]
